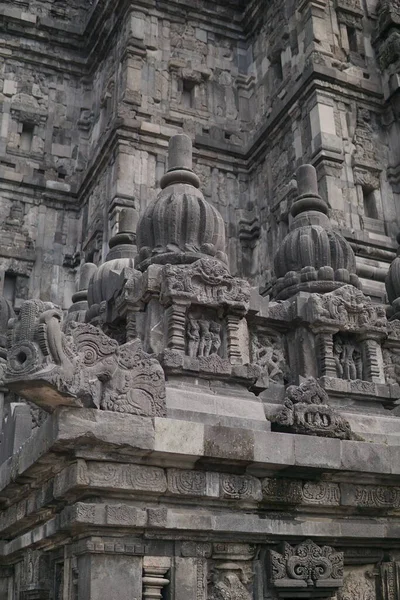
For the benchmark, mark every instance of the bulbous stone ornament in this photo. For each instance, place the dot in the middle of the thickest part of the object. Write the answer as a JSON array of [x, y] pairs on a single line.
[[180, 226], [312, 257], [121, 255], [392, 284]]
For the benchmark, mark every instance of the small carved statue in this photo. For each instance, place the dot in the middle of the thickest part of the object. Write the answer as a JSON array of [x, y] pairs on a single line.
[[204, 337], [215, 329], [347, 359], [193, 333]]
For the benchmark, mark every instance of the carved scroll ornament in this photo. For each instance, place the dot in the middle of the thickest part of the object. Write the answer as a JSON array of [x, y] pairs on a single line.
[[307, 566], [80, 366]]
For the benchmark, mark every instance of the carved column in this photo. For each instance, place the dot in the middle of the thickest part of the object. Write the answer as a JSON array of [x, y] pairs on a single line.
[[372, 358], [390, 580], [326, 360], [232, 330], [154, 580], [176, 337]]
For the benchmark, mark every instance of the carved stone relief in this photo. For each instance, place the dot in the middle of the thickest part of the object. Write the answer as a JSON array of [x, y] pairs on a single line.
[[359, 584], [348, 308], [267, 353], [306, 566], [203, 337], [80, 366], [306, 411], [228, 583], [347, 356]]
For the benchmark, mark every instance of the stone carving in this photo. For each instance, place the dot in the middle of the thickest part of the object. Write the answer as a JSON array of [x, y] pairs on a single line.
[[347, 356], [81, 366], [206, 281], [191, 483], [131, 477], [349, 308], [306, 411], [204, 337], [180, 226], [358, 585], [312, 257], [238, 487], [322, 492], [284, 491], [228, 583], [389, 580], [268, 355], [377, 496], [307, 566], [391, 362]]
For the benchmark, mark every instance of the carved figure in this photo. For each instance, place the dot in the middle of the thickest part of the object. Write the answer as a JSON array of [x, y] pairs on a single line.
[[205, 338], [347, 359], [80, 366], [348, 307], [307, 566], [267, 354], [228, 583], [215, 330], [193, 333], [306, 411]]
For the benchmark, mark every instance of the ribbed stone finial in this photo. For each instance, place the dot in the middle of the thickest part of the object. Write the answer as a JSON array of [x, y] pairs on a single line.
[[308, 197], [312, 257], [180, 226], [87, 272], [128, 219], [307, 183], [180, 152], [179, 162]]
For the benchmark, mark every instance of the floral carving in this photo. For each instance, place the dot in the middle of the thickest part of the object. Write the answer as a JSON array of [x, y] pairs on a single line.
[[306, 411], [80, 366], [306, 566]]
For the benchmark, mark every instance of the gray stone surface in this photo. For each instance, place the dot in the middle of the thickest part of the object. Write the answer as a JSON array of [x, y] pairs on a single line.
[[199, 367]]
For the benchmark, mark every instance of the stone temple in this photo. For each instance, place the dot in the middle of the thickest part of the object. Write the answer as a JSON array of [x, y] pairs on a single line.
[[200, 300]]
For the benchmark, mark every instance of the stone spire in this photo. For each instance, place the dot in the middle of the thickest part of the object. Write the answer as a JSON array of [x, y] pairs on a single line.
[[312, 257], [121, 255], [180, 226], [392, 284]]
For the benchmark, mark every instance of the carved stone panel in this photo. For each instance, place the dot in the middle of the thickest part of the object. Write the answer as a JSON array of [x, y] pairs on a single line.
[[306, 567]]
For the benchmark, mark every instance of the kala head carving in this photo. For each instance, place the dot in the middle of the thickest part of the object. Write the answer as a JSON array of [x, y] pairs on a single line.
[[307, 411], [80, 366]]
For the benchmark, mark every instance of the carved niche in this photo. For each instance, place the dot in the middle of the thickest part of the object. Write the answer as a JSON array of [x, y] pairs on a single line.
[[307, 569], [306, 411], [389, 580], [205, 306], [80, 366]]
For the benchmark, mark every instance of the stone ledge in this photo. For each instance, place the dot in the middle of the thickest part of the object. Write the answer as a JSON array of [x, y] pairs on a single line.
[[184, 444]]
